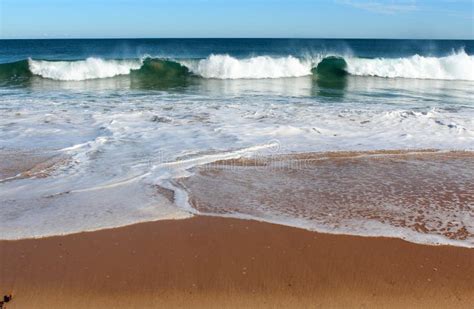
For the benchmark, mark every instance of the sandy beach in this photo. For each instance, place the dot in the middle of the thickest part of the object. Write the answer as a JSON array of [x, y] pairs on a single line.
[[216, 262], [228, 263]]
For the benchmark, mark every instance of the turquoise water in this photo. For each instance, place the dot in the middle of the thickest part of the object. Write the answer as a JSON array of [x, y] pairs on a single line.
[[133, 114]]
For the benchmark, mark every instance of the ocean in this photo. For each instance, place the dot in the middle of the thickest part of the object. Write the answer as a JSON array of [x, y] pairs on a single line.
[[128, 115]]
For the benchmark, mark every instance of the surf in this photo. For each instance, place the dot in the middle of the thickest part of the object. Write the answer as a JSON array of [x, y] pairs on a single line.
[[260, 67], [456, 66], [91, 68]]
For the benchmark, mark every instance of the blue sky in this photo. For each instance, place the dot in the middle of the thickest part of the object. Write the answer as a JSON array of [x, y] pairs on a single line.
[[450, 19]]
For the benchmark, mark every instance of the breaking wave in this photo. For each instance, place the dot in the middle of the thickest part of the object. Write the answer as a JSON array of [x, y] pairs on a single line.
[[227, 67], [458, 66], [91, 68]]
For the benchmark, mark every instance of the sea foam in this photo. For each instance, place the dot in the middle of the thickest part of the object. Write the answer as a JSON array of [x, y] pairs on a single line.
[[227, 67], [91, 68], [458, 66]]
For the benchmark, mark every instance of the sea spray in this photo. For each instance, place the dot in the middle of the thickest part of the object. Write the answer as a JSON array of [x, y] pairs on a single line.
[[457, 66]]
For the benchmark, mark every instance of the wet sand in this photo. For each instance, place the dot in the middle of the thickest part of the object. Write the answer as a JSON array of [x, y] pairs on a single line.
[[17, 164], [427, 196], [227, 263]]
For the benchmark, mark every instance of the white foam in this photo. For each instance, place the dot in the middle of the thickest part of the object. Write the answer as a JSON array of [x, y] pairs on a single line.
[[91, 68], [458, 66], [227, 67]]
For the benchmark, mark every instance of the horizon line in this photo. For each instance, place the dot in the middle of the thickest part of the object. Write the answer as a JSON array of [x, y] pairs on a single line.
[[237, 38]]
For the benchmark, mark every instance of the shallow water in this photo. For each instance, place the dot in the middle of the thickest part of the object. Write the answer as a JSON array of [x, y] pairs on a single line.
[[423, 197]]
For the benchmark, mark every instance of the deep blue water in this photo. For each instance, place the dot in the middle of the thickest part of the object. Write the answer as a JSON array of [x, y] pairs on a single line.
[[66, 49]]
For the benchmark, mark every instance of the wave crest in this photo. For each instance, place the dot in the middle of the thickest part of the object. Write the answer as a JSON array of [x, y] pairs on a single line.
[[91, 68], [227, 67], [458, 66]]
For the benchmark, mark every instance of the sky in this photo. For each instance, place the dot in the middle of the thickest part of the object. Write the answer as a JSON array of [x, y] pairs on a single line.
[[417, 19]]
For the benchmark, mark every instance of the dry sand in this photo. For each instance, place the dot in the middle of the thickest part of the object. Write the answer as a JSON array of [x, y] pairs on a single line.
[[226, 263]]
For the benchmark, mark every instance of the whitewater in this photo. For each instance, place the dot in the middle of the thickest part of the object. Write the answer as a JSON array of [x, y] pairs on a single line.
[[457, 66]]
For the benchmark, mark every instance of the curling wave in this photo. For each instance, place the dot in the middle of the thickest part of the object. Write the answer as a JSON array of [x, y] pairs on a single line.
[[458, 66]]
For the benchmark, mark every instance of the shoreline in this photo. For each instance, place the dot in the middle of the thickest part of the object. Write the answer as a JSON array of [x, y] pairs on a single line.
[[219, 262], [215, 261], [244, 219], [298, 190]]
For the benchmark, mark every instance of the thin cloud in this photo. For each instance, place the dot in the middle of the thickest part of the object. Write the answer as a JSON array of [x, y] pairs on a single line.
[[383, 7]]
